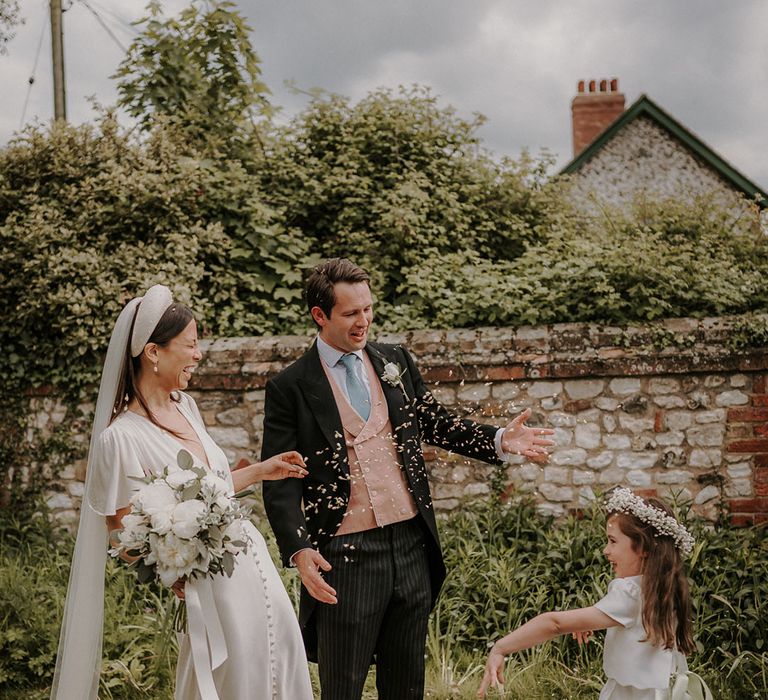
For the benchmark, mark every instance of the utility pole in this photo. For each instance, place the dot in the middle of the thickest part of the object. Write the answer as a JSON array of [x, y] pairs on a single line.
[[57, 53]]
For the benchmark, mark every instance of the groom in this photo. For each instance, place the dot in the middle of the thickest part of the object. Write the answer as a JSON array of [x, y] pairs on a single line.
[[360, 528]]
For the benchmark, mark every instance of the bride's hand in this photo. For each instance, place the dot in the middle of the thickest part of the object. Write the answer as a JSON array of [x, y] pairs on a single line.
[[283, 466], [178, 588]]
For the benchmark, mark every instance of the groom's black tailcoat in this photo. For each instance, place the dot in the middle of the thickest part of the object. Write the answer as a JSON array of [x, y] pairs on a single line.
[[301, 415]]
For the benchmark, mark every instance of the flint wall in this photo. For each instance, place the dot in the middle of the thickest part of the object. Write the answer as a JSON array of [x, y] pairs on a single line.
[[662, 408]]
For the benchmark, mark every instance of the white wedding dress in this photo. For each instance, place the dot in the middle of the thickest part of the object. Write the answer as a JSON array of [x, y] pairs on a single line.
[[265, 658]]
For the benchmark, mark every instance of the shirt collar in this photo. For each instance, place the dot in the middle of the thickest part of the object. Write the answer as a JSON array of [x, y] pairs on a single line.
[[331, 356]]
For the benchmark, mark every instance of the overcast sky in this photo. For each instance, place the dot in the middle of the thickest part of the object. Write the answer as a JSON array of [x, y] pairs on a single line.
[[515, 61]]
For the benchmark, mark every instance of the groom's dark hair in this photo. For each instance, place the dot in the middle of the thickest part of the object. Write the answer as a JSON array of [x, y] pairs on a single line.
[[320, 282]]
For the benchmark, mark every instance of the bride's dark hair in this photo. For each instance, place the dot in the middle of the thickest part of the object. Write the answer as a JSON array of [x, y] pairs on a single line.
[[175, 319]]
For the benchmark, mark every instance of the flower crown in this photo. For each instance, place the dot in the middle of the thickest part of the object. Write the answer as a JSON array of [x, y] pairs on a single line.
[[623, 500]]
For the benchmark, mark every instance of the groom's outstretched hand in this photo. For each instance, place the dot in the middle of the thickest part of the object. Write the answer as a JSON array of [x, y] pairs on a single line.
[[521, 439], [309, 562]]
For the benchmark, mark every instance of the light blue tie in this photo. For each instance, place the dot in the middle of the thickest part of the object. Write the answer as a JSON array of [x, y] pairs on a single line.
[[358, 394]]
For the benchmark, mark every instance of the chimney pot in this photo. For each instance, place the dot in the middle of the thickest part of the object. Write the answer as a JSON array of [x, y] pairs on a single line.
[[593, 112]]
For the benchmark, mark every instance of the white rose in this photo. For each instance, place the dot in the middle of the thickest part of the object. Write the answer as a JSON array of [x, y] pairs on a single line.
[[175, 558], [187, 517], [391, 373], [215, 490], [156, 496], [234, 532], [162, 520], [180, 478], [134, 532]]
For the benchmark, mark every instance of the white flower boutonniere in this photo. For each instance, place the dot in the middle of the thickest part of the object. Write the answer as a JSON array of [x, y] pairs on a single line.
[[393, 375]]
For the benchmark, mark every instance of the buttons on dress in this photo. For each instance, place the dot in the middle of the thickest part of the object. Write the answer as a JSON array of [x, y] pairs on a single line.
[[270, 628]]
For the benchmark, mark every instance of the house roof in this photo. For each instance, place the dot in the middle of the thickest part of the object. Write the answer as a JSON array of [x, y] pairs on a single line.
[[646, 107]]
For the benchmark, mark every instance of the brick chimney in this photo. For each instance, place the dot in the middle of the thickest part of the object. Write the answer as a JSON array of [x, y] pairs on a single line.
[[594, 111]]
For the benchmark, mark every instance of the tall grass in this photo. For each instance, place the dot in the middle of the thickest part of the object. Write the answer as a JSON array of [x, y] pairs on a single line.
[[506, 564]]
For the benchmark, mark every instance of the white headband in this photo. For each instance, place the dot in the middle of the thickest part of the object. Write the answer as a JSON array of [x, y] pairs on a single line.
[[622, 500], [151, 309]]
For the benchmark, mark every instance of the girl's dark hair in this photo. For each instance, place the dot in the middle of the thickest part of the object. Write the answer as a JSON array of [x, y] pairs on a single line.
[[175, 319], [319, 288], [665, 591]]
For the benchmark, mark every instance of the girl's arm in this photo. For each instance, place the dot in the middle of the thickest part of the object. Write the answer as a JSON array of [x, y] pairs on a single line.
[[536, 631]]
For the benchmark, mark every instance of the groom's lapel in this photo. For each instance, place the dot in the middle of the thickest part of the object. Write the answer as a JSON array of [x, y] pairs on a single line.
[[393, 394], [319, 396]]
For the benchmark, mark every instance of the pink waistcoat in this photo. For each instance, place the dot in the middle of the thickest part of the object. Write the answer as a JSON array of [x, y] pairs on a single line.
[[379, 493]]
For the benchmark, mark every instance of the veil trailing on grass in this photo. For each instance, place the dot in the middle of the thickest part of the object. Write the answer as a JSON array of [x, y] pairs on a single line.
[[78, 662]]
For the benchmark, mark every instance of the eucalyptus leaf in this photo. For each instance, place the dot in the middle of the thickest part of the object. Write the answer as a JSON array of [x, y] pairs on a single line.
[[191, 491], [228, 562], [185, 460]]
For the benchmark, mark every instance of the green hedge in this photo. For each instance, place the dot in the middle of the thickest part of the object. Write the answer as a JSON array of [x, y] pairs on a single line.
[[92, 215]]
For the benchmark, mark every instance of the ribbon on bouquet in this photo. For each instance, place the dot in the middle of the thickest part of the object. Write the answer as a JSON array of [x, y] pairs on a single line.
[[209, 648]]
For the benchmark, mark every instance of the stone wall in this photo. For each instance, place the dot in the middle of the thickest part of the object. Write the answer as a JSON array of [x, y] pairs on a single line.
[[664, 408]]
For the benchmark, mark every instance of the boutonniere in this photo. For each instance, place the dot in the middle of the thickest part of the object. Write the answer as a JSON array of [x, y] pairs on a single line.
[[393, 375]]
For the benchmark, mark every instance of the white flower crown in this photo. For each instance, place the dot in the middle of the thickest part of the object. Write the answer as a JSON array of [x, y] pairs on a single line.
[[623, 500]]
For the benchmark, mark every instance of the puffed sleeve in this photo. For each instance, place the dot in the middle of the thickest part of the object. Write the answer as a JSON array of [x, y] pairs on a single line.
[[116, 468], [622, 602]]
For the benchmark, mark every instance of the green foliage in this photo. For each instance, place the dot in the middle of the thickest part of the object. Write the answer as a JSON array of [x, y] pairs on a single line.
[[396, 180], [9, 18], [139, 647], [90, 217], [751, 331], [29, 456], [506, 564], [657, 260], [201, 72]]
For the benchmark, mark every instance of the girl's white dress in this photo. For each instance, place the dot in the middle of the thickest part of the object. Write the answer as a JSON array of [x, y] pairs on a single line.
[[265, 653], [636, 670]]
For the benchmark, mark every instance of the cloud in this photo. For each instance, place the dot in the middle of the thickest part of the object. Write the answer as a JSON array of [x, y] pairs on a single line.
[[516, 62]]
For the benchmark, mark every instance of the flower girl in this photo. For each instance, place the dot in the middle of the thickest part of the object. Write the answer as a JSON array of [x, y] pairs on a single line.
[[647, 610]]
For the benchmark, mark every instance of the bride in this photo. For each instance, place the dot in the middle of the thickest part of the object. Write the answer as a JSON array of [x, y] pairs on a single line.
[[244, 639]]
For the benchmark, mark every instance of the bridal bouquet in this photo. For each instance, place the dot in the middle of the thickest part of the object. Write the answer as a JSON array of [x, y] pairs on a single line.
[[182, 523]]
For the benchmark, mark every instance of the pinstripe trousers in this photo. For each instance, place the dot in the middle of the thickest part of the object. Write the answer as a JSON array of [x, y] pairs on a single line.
[[382, 583]]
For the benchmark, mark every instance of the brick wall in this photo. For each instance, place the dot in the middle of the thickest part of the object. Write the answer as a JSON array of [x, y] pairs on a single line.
[[663, 409], [747, 435]]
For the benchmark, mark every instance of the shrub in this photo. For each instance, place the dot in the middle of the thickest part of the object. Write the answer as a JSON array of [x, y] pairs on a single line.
[[396, 180], [89, 217], [657, 260]]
